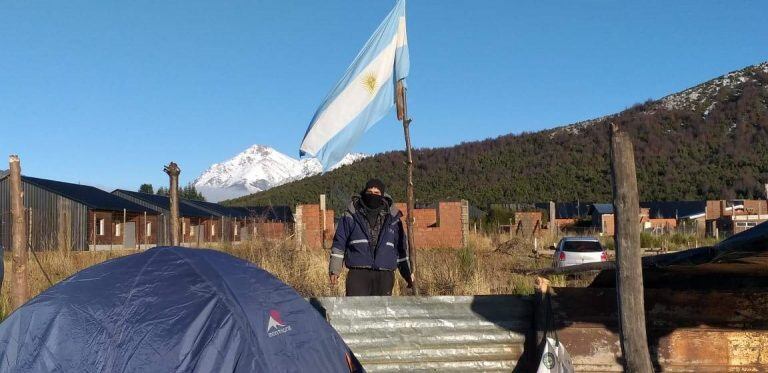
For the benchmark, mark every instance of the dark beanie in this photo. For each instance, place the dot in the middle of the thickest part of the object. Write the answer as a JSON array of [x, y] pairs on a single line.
[[374, 183]]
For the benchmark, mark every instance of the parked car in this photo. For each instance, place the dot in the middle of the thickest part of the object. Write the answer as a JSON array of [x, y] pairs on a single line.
[[578, 250]]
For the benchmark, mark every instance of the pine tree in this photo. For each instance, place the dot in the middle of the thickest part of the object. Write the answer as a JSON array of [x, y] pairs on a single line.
[[146, 188], [191, 193]]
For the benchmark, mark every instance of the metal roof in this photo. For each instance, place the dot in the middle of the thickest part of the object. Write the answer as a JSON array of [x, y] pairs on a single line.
[[567, 210], [92, 197], [674, 209], [601, 208], [274, 213], [163, 203], [215, 209]]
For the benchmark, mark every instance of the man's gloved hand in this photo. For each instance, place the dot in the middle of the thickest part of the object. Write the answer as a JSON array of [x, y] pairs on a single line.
[[410, 281], [334, 279]]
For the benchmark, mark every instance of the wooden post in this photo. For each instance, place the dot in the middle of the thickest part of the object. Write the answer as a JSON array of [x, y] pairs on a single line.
[[322, 217], [629, 272], [552, 219], [403, 115], [29, 228], [173, 171], [144, 231], [122, 229], [541, 315], [19, 285]]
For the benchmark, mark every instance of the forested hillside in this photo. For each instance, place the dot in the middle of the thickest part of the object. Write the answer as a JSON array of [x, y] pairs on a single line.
[[710, 141]]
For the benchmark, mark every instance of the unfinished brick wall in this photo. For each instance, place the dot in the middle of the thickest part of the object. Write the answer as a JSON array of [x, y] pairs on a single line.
[[309, 226], [720, 208], [754, 206], [269, 230], [444, 227], [714, 210], [527, 223], [607, 224], [564, 223], [447, 226], [665, 224]]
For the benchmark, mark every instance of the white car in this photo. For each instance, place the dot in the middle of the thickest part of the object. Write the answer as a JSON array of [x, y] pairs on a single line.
[[578, 250]]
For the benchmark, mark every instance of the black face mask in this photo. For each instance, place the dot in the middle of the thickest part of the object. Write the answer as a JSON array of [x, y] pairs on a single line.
[[373, 201]]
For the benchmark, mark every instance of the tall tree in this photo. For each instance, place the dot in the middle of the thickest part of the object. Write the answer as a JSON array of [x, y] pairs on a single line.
[[191, 193], [162, 191], [147, 188]]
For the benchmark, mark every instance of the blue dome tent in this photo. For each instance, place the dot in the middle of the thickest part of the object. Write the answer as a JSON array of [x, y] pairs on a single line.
[[171, 309]]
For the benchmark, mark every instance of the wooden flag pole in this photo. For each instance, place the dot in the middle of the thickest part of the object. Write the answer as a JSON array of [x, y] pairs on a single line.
[[402, 114], [629, 271]]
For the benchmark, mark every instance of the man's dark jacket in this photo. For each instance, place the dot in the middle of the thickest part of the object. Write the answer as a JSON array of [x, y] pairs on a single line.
[[354, 245]]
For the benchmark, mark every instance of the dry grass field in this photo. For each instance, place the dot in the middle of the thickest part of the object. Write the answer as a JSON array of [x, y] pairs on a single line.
[[491, 264], [488, 266]]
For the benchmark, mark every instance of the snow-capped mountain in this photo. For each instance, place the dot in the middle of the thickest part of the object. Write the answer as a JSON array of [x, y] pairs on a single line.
[[256, 169]]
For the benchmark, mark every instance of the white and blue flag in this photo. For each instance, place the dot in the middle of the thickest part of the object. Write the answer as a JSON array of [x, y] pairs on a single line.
[[364, 94]]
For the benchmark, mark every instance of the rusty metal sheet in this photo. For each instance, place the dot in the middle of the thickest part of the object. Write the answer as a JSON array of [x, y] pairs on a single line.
[[688, 331]]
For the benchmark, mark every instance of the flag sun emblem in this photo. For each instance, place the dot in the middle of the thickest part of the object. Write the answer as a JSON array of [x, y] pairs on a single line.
[[370, 83]]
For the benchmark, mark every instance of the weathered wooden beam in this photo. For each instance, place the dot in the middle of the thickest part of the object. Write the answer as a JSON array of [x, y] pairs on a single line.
[[173, 171], [629, 272], [19, 283]]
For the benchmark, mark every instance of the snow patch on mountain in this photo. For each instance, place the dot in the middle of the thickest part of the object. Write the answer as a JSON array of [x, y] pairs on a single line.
[[701, 98], [257, 169], [703, 95]]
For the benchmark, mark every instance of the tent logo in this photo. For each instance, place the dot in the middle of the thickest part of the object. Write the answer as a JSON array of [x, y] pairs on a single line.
[[276, 326]]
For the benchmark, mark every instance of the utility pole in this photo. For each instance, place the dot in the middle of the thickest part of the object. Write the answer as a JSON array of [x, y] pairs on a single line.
[[402, 114], [19, 285], [173, 171], [629, 272]]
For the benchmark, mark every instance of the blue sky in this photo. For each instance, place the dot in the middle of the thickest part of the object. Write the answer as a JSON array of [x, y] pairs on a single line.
[[91, 91]]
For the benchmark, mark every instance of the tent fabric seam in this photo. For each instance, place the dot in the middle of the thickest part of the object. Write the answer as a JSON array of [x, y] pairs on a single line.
[[245, 324]]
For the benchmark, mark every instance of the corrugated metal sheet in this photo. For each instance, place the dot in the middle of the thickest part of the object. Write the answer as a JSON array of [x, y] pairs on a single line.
[[428, 334], [688, 331], [56, 222], [94, 198]]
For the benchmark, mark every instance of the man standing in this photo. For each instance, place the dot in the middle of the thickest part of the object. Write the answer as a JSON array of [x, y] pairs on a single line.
[[371, 242]]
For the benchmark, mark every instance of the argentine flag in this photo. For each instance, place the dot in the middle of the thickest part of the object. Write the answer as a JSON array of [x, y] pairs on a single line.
[[364, 94]]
